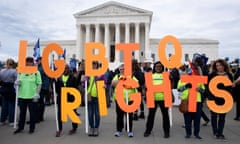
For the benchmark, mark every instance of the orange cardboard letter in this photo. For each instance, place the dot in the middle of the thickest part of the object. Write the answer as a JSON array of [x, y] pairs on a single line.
[[22, 68], [194, 80], [220, 93], [101, 98], [90, 57], [60, 64], [135, 97], [127, 52], [175, 59], [68, 107], [165, 87]]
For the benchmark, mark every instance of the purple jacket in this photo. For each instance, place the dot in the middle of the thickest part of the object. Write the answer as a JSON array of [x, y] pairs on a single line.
[[96, 78]]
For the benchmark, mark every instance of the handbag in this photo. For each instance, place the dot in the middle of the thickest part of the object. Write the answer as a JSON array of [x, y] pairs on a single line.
[[183, 107]]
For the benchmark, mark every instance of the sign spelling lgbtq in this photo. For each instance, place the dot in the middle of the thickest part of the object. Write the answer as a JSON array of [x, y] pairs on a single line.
[[173, 61]]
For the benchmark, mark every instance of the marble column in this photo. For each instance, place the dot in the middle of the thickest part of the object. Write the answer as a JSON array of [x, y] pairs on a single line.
[[117, 35], [97, 36], [137, 36], [127, 33], [87, 36], [97, 32], [106, 40], [147, 49], [79, 48], [87, 32]]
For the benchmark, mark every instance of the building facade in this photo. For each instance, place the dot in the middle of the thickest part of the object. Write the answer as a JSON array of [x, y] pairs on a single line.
[[112, 23]]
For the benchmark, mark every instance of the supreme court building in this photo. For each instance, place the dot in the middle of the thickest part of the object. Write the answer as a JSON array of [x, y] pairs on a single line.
[[112, 22]]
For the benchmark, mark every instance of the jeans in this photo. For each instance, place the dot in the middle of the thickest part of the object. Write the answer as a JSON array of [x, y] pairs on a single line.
[[41, 105], [93, 113], [195, 117], [108, 94], [8, 108]]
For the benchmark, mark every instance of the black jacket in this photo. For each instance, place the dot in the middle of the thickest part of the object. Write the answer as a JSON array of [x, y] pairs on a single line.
[[211, 96], [71, 82]]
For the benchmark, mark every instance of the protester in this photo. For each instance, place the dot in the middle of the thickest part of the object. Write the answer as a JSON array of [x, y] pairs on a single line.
[[93, 105], [136, 70], [66, 80], [236, 93], [28, 95], [184, 88], [219, 68], [109, 76], [157, 77], [80, 77], [73, 64], [174, 77], [8, 76], [146, 65], [44, 93], [199, 62], [119, 112]]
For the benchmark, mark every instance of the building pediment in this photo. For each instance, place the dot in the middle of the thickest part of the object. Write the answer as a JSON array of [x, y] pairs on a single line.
[[112, 8]]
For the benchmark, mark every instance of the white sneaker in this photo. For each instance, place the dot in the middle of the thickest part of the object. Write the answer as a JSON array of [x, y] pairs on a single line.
[[11, 124], [117, 134], [2, 123], [91, 132], [130, 134]]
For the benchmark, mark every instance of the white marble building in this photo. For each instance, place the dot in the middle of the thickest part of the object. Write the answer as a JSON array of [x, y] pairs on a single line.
[[114, 22]]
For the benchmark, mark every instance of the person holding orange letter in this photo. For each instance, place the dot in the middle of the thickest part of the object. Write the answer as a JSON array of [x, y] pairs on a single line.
[[66, 80], [28, 96], [157, 77], [120, 113], [93, 103], [191, 118], [219, 68]]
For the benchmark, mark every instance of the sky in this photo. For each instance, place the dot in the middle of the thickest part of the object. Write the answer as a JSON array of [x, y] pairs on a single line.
[[54, 20]]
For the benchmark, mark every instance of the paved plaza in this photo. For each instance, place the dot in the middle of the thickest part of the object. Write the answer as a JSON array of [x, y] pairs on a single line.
[[45, 131]]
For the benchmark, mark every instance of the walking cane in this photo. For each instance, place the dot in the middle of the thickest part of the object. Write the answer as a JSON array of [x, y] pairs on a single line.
[[55, 104], [86, 107], [170, 113], [170, 116], [16, 105], [55, 97], [127, 112]]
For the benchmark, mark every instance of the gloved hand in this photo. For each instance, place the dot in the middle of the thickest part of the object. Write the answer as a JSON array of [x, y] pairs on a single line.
[[188, 85], [36, 97], [200, 90], [17, 82]]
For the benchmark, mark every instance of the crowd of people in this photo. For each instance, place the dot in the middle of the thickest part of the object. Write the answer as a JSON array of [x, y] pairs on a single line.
[[35, 91]]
